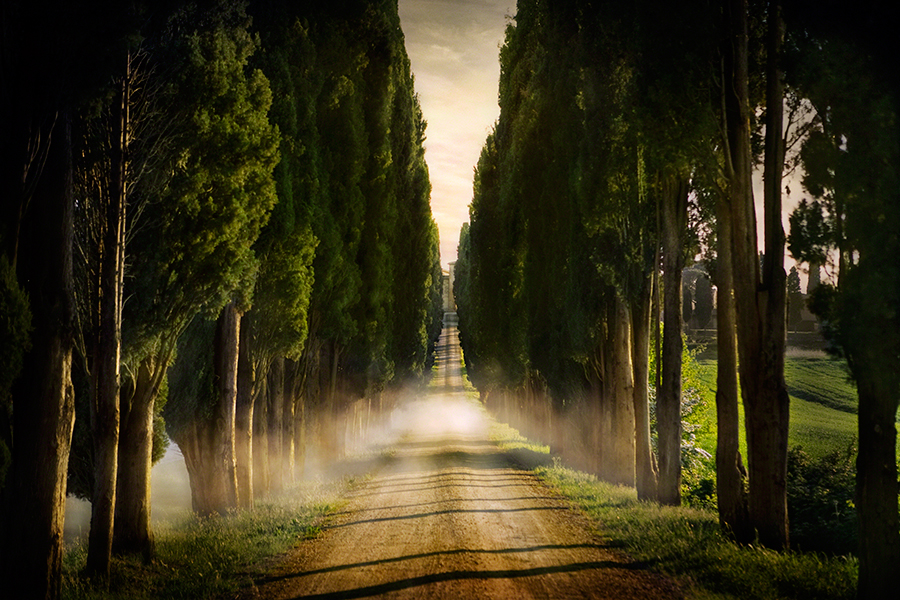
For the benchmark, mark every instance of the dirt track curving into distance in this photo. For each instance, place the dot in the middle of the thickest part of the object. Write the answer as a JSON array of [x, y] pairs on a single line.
[[450, 516]]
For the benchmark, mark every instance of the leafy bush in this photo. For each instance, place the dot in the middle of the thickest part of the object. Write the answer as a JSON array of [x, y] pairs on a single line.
[[15, 327], [15, 341], [698, 469], [820, 501]]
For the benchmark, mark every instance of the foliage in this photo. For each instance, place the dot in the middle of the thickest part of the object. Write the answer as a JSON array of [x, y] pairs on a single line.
[[195, 241], [15, 329], [811, 235], [697, 463], [795, 298], [353, 179], [820, 501], [703, 301], [851, 163], [15, 341], [191, 378]]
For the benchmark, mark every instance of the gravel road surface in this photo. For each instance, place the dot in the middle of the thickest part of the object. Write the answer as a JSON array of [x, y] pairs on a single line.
[[450, 516]]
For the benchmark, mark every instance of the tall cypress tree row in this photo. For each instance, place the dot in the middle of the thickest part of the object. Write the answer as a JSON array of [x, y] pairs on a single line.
[[346, 288], [616, 128], [852, 220], [563, 218], [197, 240], [338, 291]]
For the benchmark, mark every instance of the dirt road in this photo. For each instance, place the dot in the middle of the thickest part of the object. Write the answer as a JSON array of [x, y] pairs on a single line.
[[451, 517]]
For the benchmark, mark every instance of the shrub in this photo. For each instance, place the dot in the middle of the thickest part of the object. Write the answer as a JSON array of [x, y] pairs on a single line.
[[820, 501]]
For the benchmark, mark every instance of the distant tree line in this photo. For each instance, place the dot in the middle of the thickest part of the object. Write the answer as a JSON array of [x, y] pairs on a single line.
[[216, 228], [625, 145]]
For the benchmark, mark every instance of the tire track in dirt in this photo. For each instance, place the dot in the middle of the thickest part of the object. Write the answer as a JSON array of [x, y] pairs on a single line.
[[449, 516]]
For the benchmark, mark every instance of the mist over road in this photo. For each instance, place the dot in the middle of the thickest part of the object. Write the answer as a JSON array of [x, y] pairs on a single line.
[[449, 516]]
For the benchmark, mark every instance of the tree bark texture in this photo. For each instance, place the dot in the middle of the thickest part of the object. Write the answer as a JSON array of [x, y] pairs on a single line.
[[769, 416], [243, 417], [201, 453], [760, 314], [876, 480], [131, 531], [645, 463], [108, 348], [668, 402], [730, 474], [208, 444], [261, 458], [43, 396], [227, 340], [598, 410], [276, 408], [622, 462], [293, 420]]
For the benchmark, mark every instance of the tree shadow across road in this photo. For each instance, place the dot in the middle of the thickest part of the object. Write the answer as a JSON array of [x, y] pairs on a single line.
[[456, 575]]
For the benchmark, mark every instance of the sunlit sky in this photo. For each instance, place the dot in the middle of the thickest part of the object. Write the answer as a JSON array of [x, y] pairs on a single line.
[[454, 48]]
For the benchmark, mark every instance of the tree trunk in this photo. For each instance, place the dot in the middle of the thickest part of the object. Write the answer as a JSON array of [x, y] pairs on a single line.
[[296, 431], [200, 444], [227, 340], [759, 303], [261, 452], [769, 416], [876, 475], [668, 402], [598, 408], [730, 474], [622, 401], [131, 531], [108, 348], [208, 443], [43, 396], [243, 415], [276, 409], [294, 392], [197, 447], [645, 464]]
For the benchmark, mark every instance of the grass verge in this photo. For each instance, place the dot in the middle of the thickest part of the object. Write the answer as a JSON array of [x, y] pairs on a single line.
[[209, 557], [688, 544]]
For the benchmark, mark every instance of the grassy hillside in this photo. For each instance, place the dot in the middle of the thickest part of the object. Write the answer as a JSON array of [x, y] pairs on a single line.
[[821, 380], [823, 404]]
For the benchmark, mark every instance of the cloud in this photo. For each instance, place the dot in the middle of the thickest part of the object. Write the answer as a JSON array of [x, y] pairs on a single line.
[[454, 47]]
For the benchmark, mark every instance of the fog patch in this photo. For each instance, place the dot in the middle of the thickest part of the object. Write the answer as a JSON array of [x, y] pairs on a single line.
[[170, 497], [170, 488], [440, 416], [78, 519], [797, 352]]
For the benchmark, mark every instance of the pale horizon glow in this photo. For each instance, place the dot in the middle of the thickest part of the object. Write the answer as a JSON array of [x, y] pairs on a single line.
[[454, 49]]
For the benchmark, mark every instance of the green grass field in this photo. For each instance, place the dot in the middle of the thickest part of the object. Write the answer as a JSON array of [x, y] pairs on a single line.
[[823, 404]]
